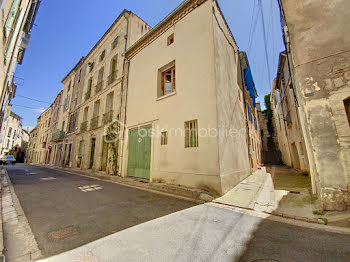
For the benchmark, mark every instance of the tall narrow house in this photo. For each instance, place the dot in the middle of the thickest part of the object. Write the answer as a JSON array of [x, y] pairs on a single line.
[[183, 111], [317, 40]]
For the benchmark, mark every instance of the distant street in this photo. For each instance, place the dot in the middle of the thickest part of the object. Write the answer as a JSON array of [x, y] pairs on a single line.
[[88, 209], [66, 211]]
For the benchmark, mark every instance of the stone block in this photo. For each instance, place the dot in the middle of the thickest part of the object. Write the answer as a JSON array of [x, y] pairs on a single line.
[[333, 199]]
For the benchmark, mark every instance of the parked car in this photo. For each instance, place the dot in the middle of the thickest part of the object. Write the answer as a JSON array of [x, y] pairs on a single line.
[[6, 160]]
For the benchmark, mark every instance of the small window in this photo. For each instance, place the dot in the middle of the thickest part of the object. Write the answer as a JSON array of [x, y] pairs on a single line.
[[103, 54], [170, 39], [164, 138], [91, 66], [168, 81], [347, 108], [79, 76], [115, 42], [191, 133]]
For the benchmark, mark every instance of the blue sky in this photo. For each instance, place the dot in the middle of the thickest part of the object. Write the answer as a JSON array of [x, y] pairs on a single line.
[[66, 30]]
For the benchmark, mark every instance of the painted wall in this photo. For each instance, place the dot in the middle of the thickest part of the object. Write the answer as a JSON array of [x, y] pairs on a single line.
[[233, 155], [194, 98], [319, 44]]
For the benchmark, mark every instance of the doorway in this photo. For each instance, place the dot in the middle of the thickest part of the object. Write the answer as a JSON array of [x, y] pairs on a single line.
[[139, 159], [104, 158], [92, 152]]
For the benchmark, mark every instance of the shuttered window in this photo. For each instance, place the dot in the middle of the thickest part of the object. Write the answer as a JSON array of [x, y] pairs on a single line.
[[191, 133]]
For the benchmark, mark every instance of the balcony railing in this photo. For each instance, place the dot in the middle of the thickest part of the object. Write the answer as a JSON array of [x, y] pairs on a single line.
[[83, 126], [94, 122], [98, 87], [87, 94], [112, 77], [58, 136], [107, 117]]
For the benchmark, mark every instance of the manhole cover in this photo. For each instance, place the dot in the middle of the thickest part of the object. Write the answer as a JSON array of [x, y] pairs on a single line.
[[63, 233]]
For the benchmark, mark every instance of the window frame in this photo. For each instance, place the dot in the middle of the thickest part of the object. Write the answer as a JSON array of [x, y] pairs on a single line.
[[164, 138], [172, 71], [191, 134], [170, 39]]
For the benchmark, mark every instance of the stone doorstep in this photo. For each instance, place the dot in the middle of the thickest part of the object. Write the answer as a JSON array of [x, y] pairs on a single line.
[[197, 195]]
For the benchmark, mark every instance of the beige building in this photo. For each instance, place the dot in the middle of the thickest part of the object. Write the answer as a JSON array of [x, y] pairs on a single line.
[[14, 134], [55, 133], [286, 118], [17, 17], [38, 150], [251, 109], [91, 96], [317, 44], [147, 103], [183, 82]]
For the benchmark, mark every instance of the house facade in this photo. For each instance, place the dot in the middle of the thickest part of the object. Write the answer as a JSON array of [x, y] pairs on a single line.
[[251, 111], [193, 103], [289, 135], [317, 50], [17, 18], [97, 95], [147, 103], [14, 134]]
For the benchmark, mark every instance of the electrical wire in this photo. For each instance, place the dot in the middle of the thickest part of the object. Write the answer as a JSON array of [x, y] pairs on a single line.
[[33, 99]]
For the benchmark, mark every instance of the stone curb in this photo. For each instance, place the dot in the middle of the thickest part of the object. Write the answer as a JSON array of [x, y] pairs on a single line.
[[185, 193], [304, 219], [2, 255]]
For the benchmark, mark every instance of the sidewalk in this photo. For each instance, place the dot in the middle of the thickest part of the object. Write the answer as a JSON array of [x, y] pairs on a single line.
[[192, 194], [286, 193], [256, 192]]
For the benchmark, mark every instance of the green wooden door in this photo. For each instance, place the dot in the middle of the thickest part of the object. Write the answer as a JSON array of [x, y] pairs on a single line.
[[139, 159]]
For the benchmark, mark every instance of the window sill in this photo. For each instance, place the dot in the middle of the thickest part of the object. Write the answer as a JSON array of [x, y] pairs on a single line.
[[166, 96]]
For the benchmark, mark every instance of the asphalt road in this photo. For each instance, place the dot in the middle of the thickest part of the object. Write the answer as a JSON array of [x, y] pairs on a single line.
[[196, 233], [62, 216]]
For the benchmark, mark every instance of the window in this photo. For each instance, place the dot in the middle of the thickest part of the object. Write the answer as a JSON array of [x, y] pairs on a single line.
[[103, 54], [113, 70], [14, 134], [70, 83], [91, 66], [90, 84], [170, 39], [96, 108], [9, 133], [85, 115], [347, 108], [115, 42], [109, 102], [191, 133], [168, 81], [164, 138], [100, 75], [250, 114], [79, 76]]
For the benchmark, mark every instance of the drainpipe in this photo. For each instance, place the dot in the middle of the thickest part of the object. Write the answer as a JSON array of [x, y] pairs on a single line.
[[126, 64], [245, 109]]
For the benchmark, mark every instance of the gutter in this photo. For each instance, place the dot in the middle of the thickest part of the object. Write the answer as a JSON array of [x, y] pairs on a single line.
[[126, 63]]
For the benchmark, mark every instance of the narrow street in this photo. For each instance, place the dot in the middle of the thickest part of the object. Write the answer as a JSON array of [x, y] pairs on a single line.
[[68, 212]]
